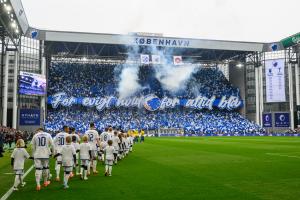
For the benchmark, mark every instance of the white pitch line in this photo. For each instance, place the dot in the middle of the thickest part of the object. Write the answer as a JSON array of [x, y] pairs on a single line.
[[282, 155], [10, 191]]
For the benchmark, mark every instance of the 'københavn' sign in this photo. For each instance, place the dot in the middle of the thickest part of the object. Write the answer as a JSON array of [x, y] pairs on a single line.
[[150, 102], [168, 42]]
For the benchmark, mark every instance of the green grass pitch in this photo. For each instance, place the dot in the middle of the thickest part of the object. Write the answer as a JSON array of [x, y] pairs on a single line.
[[209, 168]]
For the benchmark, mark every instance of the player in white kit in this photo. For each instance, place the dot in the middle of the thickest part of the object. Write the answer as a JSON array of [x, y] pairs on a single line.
[[59, 142], [93, 138], [85, 157], [68, 158], [73, 133], [130, 139], [41, 144], [116, 142], [104, 137], [109, 157], [17, 161], [76, 145]]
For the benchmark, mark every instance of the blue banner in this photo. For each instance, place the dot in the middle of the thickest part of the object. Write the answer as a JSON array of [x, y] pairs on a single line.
[[282, 120], [150, 102], [267, 120], [30, 117]]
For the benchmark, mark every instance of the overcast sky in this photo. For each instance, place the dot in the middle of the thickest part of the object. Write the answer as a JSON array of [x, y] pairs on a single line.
[[241, 20]]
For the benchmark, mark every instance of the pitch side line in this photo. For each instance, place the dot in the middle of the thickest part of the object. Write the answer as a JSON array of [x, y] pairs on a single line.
[[10, 191], [282, 155]]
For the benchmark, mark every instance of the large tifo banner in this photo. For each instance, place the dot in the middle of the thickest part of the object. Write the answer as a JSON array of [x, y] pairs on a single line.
[[30, 117], [150, 102], [275, 80]]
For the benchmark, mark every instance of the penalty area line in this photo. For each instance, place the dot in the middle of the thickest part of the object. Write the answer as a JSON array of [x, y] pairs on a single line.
[[10, 191]]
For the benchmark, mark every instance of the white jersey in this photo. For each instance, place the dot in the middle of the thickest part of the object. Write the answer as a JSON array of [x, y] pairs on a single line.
[[41, 143], [19, 155], [67, 153], [116, 141], [105, 136], [125, 143], [60, 140], [93, 137], [109, 152], [76, 146], [85, 149], [76, 135]]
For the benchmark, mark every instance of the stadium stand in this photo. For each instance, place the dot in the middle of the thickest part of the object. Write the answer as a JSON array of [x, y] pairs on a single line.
[[92, 80]]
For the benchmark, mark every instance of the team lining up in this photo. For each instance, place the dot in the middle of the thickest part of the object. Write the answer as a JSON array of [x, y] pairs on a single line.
[[67, 148]]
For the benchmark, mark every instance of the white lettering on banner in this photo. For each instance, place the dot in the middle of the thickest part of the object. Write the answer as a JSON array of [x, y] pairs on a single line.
[[229, 104], [150, 102], [162, 42], [61, 98], [201, 102], [169, 103], [133, 102]]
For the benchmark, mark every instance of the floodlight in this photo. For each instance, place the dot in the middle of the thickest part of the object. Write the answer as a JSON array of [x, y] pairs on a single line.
[[239, 65], [13, 24], [7, 7]]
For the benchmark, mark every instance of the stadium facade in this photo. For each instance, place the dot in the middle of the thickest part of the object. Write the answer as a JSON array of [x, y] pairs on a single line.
[[245, 64]]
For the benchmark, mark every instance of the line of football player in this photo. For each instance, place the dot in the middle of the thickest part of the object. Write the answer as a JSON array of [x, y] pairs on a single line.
[[77, 156]]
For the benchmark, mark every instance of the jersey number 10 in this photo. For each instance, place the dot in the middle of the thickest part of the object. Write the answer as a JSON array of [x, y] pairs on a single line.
[[42, 141]]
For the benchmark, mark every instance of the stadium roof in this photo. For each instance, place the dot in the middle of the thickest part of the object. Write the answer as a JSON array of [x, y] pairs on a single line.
[[13, 20], [74, 44]]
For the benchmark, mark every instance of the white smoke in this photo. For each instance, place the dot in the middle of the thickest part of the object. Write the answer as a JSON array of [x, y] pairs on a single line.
[[129, 84], [174, 78]]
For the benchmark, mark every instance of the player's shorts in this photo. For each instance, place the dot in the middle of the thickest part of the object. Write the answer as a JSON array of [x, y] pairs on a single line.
[[41, 163], [19, 171], [94, 154], [85, 162], [116, 151], [109, 162], [68, 169], [58, 158]]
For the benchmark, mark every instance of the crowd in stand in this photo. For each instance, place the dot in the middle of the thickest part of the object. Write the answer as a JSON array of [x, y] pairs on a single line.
[[90, 80], [9, 136], [206, 122]]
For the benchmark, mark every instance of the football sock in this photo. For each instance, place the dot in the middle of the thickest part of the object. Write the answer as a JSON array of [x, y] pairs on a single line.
[[17, 181], [95, 165], [66, 178], [109, 169], [38, 174], [57, 169], [46, 174], [81, 169], [89, 168]]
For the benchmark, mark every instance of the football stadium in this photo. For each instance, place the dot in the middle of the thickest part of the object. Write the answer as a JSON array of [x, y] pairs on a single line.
[[146, 116]]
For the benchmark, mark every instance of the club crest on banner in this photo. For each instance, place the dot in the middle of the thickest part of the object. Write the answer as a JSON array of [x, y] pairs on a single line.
[[151, 102]]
